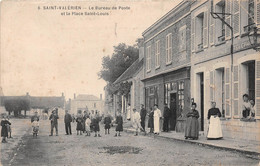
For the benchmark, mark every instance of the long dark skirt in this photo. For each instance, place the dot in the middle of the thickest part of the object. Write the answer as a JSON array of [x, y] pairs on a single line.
[[150, 122], [96, 127], [80, 126], [119, 127], [192, 128], [4, 131], [107, 126]]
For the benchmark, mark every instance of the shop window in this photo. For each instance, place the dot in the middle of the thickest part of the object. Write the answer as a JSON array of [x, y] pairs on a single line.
[[181, 94]]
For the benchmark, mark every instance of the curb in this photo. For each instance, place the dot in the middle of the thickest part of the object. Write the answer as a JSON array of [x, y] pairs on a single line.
[[251, 154]]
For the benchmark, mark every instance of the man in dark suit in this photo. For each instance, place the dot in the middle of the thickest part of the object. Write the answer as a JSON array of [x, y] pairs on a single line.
[[143, 113], [166, 117], [67, 121], [54, 121]]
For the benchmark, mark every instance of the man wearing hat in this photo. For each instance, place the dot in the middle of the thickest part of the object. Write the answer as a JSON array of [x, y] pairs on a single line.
[[54, 122]]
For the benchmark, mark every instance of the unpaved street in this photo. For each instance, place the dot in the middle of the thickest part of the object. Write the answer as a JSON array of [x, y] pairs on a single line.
[[110, 150]]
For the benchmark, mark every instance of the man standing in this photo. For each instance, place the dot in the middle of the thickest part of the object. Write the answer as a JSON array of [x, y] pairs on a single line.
[[67, 121], [54, 122], [166, 117], [143, 113]]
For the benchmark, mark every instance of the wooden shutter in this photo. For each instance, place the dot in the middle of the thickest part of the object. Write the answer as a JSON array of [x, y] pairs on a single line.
[[257, 12], [236, 17], [236, 109], [193, 34], [228, 19], [205, 29], [227, 93], [212, 85], [211, 30], [257, 92]]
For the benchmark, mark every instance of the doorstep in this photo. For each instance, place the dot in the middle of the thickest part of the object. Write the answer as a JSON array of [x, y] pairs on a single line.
[[242, 146]]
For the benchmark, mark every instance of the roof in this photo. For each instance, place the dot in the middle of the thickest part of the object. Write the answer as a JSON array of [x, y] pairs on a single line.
[[130, 71], [87, 97], [162, 19]]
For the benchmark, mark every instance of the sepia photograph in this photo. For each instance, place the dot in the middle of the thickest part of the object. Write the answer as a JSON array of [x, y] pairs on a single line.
[[130, 82]]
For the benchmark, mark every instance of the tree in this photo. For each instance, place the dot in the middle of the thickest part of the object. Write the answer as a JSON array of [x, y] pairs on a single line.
[[122, 58], [16, 106]]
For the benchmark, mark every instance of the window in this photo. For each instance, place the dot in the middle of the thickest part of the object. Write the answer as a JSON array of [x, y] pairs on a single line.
[[220, 26], [219, 89], [169, 88], [95, 105], [169, 48], [199, 31], [148, 56], [182, 39], [157, 54]]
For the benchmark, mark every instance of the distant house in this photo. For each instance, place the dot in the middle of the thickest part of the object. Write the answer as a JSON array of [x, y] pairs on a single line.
[[85, 102]]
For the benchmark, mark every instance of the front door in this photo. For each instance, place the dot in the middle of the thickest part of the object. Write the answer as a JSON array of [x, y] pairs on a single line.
[[173, 108]]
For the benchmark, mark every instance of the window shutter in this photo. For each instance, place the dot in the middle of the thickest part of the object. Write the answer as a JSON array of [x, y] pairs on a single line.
[[227, 93], [257, 12], [235, 93], [205, 29], [228, 19], [236, 16], [193, 34], [211, 30], [257, 94]]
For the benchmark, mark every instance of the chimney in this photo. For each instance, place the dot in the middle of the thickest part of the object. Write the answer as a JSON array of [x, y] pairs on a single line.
[[62, 94], [100, 96], [27, 93], [74, 96], [141, 48]]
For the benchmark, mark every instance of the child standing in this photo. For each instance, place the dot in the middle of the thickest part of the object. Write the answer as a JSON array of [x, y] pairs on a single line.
[[88, 122], [107, 122], [35, 127], [96, 127], [119, 122], [4, 131]]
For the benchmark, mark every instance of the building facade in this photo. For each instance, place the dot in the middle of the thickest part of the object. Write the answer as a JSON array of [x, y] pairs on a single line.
[[218, 76], [131, 78], [167, 64], [89, 103]]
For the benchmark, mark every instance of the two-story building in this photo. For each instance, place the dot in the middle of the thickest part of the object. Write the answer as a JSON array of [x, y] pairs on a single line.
[[216, 75], [167, 63]]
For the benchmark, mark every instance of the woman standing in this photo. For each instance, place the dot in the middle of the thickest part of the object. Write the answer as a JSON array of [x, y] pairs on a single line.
[[215, 131], [150, 121], [119, 122], [192, 123], [80, 122], [156, 117]]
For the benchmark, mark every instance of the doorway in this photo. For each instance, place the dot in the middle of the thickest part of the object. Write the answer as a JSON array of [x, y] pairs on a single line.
[[173, 108], [201, 94]]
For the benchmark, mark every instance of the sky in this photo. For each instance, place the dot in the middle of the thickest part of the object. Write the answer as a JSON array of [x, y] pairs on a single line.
[[47, 53]]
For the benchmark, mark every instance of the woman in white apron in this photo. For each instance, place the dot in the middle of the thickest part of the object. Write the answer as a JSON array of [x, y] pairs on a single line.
[[156, 117], [214, 131]]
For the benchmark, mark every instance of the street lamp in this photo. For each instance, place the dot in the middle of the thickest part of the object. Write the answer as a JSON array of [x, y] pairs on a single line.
[[253, 37]]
